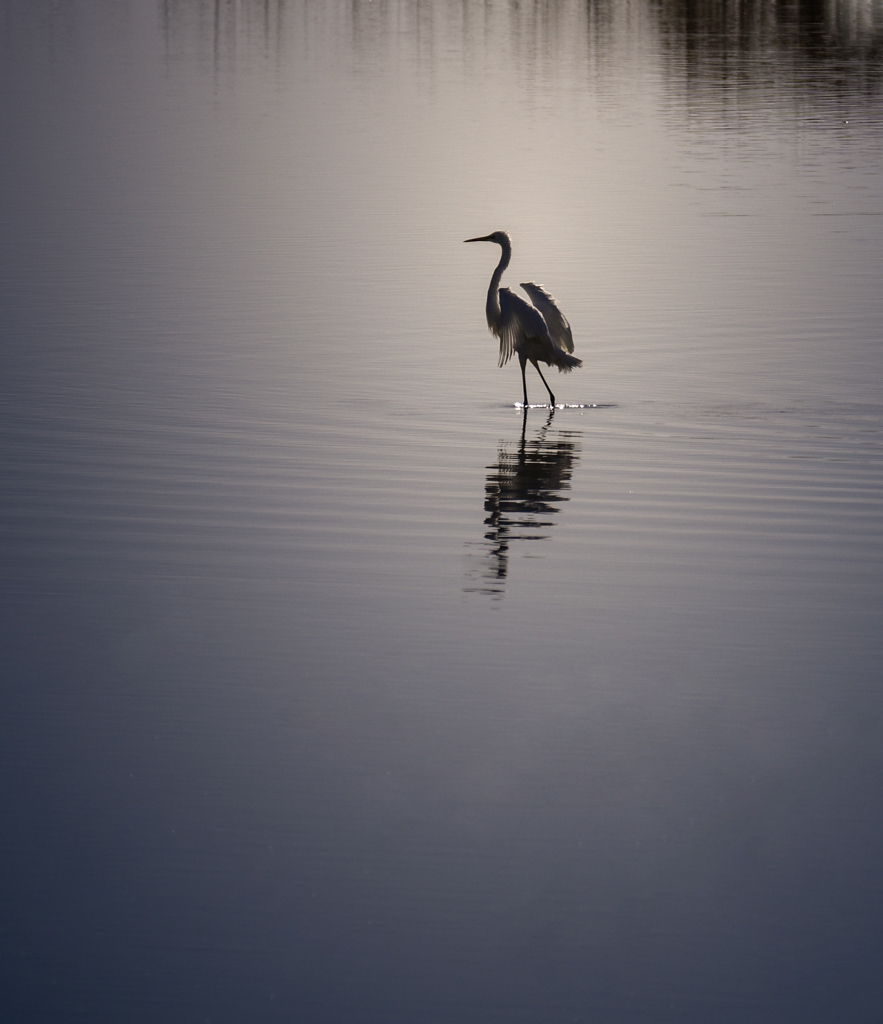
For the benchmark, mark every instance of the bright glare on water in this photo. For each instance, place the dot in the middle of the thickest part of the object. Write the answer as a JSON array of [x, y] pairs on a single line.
[[337, 685]]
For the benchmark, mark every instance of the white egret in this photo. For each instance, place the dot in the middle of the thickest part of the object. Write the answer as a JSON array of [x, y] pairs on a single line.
[[537, 331]]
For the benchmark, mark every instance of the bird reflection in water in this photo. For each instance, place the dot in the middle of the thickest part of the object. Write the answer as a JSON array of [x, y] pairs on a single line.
[[523, 491]]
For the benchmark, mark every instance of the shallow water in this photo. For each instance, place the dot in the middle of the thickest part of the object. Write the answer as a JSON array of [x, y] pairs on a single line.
[[338, 686]]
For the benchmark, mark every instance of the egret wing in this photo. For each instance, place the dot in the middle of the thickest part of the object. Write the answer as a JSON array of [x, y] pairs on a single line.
[[556, 321], [519, 320]]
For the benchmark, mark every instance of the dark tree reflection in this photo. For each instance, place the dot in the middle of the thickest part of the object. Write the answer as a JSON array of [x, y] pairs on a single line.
[[818, 51], [816, 27], [522, 494]]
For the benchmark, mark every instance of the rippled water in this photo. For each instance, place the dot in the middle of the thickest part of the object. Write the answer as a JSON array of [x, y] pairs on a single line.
[[338, 687]]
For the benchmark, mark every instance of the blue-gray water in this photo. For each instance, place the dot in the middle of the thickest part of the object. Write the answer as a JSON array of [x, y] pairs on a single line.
[[334, 689]]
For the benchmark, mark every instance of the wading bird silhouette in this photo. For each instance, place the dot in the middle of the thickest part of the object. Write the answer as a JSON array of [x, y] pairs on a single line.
[[537, 331]]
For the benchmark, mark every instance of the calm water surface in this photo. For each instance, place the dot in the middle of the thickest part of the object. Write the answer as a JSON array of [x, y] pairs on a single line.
[[336, 686]]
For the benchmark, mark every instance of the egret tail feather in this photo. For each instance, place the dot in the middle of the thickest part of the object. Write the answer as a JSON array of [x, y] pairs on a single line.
[[565, 362]]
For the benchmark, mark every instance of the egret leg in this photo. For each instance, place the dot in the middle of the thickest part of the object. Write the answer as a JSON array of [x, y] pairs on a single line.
[[523, 360], [543, 379]]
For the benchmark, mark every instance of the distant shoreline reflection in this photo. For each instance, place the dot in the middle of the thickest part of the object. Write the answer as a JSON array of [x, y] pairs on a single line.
[[523, 491], [713, 51]]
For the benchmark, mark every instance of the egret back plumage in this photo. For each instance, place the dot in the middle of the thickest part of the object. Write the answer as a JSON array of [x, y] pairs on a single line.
[[537, 331]]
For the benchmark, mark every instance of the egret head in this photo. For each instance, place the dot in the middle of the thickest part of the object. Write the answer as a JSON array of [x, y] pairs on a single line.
[[500, 237]]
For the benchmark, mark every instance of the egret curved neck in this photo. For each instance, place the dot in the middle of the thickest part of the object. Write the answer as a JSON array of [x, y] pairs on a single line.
[[494, 313]]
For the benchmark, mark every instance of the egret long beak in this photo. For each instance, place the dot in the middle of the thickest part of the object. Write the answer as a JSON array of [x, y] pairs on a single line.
[[484, 238]]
